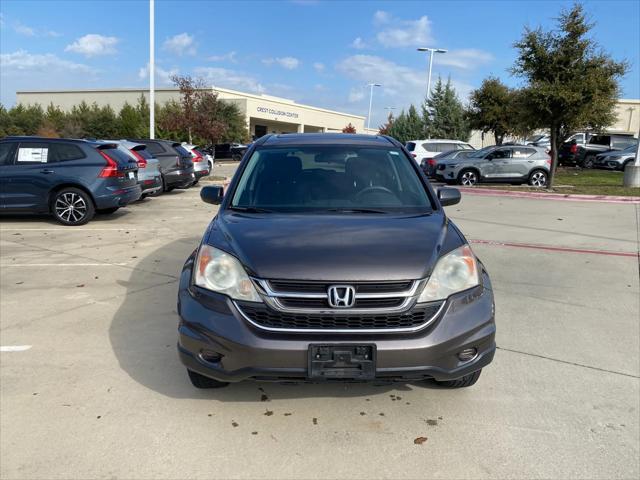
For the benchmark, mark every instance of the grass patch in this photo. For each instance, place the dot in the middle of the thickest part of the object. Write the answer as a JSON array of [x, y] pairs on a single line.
[[582, 182]]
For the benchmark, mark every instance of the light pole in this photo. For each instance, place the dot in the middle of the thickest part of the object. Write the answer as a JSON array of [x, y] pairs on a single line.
[[431, 50], [152, 77], [371, 85]]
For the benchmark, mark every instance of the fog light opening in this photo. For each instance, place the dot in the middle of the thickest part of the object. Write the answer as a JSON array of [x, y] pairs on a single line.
[[210, 356], [468, 354]]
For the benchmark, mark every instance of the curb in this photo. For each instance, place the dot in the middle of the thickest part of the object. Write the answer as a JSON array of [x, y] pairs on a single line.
[[550, 196]]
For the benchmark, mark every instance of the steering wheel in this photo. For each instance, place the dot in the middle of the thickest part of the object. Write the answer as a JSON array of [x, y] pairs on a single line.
[[367, 190]]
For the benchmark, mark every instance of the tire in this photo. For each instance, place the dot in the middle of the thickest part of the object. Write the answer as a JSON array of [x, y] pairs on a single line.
[[81, 211], [463, 382], [588, 161], [628, 162], [143, 196], [108, 211], [468, 177], [538, 178], [210, 168], [200, 381]]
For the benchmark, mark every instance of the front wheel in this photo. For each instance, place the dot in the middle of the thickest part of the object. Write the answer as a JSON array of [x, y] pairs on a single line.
[[588, 161], [538, 179], [624, 165], [468, 178], [72, 206], [463, 382]]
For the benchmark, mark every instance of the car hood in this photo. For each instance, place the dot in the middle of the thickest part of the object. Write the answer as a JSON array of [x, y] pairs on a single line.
[[342, 247]]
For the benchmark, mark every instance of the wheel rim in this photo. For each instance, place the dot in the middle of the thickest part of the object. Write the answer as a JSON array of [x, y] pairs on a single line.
[[70, 207], [469, 178], [538, 179]]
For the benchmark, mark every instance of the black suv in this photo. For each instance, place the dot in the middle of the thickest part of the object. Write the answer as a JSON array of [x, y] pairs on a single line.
[[331, 258], [572, 153], [175, 162]]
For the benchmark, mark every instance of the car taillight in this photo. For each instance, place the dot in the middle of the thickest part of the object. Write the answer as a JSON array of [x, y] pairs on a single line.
[[196, 156], [142, 162], [574, 148], [111, 170], [431, 161]]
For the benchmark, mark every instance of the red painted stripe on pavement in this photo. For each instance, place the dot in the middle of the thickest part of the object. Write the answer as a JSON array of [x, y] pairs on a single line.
[[549, 196], [556, 249]]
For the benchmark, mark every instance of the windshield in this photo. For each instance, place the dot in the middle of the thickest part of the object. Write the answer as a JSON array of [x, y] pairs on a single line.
[[334, 178], [481, 153]]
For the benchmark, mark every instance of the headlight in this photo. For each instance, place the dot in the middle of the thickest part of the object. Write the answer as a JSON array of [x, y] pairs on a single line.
[[455, 272], [220, 272]]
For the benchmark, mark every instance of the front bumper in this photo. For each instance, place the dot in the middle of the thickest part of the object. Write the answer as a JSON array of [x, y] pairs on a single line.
[[211, 324]]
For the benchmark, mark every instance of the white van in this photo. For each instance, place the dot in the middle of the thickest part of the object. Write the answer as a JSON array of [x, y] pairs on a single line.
[[427, 149]]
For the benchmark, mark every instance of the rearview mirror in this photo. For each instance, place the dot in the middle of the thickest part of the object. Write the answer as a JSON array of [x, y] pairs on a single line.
[[212, 194], [449, 196]]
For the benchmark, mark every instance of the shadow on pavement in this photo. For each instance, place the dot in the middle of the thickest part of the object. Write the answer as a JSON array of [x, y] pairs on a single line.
[[143, 336]]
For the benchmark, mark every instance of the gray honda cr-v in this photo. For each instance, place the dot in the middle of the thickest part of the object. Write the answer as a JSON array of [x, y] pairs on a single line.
[[331, 258]]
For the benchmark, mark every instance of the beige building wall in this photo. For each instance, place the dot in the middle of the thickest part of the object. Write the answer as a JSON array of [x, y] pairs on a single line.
[[271, 114]]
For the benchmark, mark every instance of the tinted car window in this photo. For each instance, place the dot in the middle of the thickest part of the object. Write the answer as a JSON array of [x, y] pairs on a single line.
[[411, 146], [32, 152], [320, 178], [622, 142], [119, 156], [5, 153], [501, 153], [600, 140], [144, 153], [446, 147], [63, 152], [155, 147], [182, 151]]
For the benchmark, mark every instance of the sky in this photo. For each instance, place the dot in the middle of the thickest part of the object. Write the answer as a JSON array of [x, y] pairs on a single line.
[[321, 53]]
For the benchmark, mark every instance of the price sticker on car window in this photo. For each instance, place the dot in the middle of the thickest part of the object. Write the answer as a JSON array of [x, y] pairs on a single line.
[[33, 155]]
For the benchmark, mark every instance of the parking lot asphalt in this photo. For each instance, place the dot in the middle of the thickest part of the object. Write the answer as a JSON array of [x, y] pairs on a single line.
[[92, 386]]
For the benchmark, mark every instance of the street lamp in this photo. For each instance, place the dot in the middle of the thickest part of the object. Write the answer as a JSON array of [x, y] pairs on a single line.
[[371, 85], [432, 51], [152, 73]]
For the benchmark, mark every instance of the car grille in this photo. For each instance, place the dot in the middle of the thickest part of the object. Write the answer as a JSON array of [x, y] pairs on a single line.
[[322, 303], [265, 317], [321, 287]]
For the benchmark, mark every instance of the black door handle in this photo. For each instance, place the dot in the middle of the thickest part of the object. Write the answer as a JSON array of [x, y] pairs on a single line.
[[46, 170]]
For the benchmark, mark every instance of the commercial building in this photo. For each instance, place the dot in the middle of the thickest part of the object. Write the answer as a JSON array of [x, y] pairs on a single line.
[[263, 113]]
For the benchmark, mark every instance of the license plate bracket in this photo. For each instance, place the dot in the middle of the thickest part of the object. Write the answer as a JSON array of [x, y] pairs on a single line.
[[342, 361]]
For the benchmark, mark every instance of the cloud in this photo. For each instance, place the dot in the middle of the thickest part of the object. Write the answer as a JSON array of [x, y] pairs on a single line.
[[466, 59], [163, 77], [27, 31], [319, 67], [226, 57], [181, 44], [23, 61], [406, 33], [356, 94], [93, 45], [381, 17], [358, 44], [290, 63], [222, 77]]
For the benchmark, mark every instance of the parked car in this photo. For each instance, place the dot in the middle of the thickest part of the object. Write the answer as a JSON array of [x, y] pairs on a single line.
[[176, 165], [513, 164], [428, 149], [428, 165], [234, 151], [573, 153], [149, 177], [70, 179], [355, 273], [616, 159], [200, 164], [543, 140]]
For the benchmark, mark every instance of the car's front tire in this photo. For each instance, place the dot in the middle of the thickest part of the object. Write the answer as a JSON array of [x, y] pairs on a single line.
[[468, 177], [463, 382], [588, 161], [72, 206], [200, 381]]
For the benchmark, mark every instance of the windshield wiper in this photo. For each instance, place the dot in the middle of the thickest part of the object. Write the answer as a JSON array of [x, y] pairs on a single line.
[[354, 210], [251, 209]]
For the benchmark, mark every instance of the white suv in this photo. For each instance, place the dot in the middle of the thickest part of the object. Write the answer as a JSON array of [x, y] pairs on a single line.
[[427, 149]]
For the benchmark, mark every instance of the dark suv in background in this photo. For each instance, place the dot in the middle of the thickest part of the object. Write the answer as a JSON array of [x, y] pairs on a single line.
[[176, 164], [572, 153], [70, 179], [332, 258]]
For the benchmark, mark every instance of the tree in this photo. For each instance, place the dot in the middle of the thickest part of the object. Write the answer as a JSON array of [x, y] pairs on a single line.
[[407, 126], [443, 114], [386, 128], [349, 129], [491, 109], [190, 95], [129, 122], [570, 82]]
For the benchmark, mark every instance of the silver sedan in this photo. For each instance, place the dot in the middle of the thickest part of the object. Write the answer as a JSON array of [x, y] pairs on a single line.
[[617, 159]]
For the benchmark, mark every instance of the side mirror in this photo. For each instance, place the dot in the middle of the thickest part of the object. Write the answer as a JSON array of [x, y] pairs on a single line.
[[449, 196], [212, 194]]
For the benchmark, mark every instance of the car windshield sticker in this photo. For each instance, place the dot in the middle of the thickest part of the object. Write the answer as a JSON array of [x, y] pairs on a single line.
[[33, 155]]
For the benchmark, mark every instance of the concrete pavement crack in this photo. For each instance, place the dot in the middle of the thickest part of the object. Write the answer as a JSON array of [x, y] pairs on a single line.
[[566, 362]]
